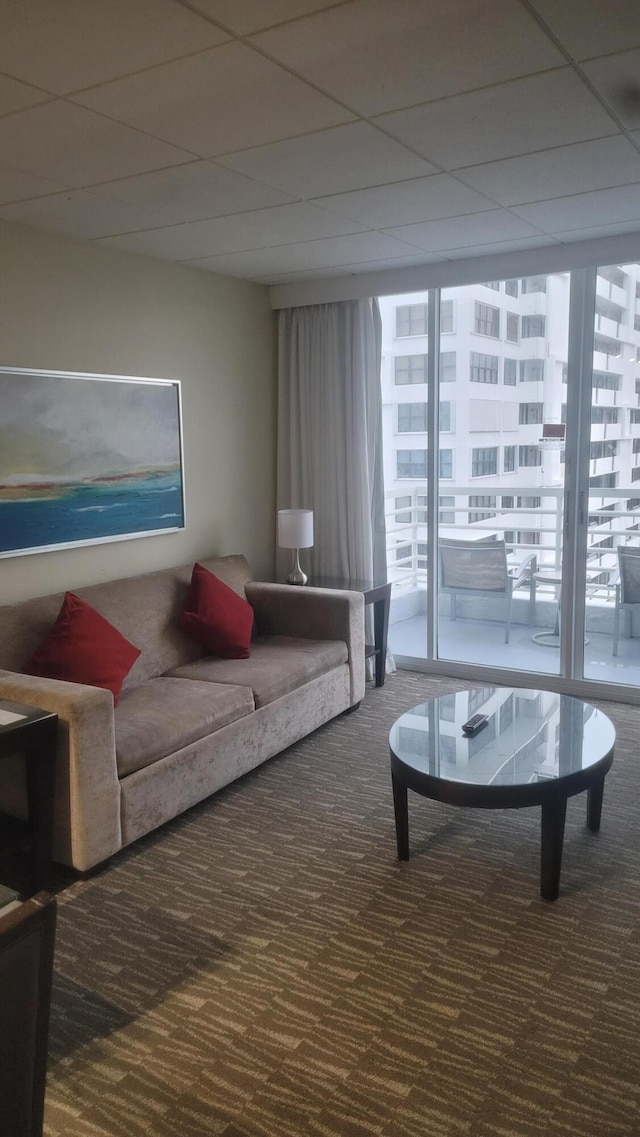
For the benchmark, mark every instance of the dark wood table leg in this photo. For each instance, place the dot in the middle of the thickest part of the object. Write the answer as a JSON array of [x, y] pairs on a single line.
[[401, 810], [554, 812], [594, 805], [41, 780], [380, 633]]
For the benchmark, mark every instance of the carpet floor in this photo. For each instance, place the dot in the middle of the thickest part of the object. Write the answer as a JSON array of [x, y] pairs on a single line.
[[263, 966]]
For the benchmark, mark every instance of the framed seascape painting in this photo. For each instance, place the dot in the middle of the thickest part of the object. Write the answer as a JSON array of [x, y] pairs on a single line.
[[86, 459]]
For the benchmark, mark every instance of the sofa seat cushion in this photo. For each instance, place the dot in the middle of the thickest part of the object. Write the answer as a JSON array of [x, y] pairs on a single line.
[[277, 665], [165, 714]]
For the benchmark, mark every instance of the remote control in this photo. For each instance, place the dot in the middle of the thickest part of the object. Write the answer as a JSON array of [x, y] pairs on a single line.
[[474, 724]]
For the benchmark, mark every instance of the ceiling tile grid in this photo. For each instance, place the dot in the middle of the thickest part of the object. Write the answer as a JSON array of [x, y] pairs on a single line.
[[278, 139]]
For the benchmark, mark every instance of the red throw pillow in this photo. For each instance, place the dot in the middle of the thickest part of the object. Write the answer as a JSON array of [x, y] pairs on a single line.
[[216, 616], [83, 647]]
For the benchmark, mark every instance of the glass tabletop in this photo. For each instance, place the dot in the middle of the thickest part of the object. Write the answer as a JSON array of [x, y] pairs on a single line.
[[530, 736]]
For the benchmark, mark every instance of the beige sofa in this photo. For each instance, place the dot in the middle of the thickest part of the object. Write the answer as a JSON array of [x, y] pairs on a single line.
[[184, 725]]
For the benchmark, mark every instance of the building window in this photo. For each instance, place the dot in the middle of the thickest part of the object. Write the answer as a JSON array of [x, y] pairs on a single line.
[[528, 537], [421, 512], [410, 369], [507, 502], [513, 321], [484, 368], [635, 416], [495, 284], [446, 513], [603, 449], [403, 509], [530, 413], [481, 508], [610, 481], [487, 320], [446, 317], [446, 463], [606, 381], [484, 461], [509, 459], [403, 552], [510, 372], [607, 415], [534, 284], [613, 275], [511, 287], [412, 418], [531, 370], [607, 347], [636, 450], [533, 326], [411, 320], [423, 550], [529, 456], [445, 417], [447, 366], [411, 464]]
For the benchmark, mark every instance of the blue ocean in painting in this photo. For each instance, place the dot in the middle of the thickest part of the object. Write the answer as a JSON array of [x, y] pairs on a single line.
[[88, 511]]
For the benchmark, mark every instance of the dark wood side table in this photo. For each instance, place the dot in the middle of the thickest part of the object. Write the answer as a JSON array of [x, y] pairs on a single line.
[[34, 733], [377, 593]]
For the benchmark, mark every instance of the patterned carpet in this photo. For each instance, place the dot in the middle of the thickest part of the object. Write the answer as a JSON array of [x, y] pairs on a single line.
[[264, 966]]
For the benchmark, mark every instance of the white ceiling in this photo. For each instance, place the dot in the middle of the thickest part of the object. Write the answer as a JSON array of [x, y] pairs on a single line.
[[286, 140]]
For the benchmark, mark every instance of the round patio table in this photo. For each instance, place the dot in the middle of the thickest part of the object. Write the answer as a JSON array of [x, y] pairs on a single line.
[[538, 748]]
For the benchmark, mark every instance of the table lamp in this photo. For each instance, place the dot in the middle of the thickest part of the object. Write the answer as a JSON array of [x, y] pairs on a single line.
[[295, 531]]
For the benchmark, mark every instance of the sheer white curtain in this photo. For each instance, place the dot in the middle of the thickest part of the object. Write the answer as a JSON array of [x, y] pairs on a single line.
[[330, 434]]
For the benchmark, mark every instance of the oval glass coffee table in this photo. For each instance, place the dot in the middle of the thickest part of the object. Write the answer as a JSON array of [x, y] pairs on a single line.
[[537, 748]]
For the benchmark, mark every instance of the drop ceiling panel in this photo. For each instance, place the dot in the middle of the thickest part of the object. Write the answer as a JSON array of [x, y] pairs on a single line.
[[499, 122], [217, 102], [582, 210], [359, 248], [377, 56], [617, 79], [464, 232], [569, 169], [18, 186], [245, 16], [95, 41], [254, 230], [282, 138], [494, 248], [77, 213], [592, 27], [15, 96], [76, 147], [422, 199], [330, 161], [192, 192]]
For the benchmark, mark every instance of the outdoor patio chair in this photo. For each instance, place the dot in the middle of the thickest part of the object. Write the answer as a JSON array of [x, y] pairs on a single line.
[[478, 568], [627, 588]]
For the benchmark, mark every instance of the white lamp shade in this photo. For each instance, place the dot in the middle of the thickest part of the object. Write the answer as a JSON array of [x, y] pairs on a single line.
[[295, 528]]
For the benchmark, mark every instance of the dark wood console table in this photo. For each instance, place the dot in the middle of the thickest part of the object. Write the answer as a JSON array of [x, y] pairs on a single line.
[[377, 593], [26, 730]]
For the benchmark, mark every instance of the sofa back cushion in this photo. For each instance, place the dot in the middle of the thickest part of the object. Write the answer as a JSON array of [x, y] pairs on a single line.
[[146, 609]]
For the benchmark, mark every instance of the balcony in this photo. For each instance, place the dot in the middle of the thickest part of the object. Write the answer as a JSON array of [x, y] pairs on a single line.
[[477, 635]]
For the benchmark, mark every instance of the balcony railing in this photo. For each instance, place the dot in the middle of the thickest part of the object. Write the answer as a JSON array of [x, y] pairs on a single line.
[[526, 529]]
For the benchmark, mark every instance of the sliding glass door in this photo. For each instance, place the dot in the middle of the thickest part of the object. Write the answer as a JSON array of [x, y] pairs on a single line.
[[512, 539]]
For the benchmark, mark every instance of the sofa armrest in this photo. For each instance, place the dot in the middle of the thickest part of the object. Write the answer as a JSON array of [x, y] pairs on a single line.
[[313, 613], [87, 803]]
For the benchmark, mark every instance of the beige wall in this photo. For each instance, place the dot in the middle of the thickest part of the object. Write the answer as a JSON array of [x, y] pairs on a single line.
[[73, 306]]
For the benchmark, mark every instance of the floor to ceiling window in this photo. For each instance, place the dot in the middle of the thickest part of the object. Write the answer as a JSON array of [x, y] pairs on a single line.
[[507, 517]]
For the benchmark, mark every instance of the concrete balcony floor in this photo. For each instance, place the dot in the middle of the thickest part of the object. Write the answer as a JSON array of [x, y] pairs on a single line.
[[477, 641]]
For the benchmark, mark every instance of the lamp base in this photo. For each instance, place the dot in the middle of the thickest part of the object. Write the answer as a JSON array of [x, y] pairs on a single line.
[[297, 576]]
